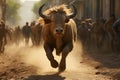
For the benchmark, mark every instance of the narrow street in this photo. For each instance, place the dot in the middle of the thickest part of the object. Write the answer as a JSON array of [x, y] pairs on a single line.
[[29, 63], [93, 24]]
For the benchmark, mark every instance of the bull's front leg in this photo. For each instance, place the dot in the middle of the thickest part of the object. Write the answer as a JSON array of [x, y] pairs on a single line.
[[68, 48], [50, 56]]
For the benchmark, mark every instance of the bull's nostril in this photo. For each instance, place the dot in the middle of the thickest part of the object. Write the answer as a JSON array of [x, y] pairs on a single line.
[[59, 30]]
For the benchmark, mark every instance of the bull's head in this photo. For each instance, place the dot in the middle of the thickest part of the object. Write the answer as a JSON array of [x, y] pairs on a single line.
[[58, 19]]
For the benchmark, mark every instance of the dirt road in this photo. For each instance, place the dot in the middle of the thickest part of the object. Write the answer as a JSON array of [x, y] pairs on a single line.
[[30, 63]]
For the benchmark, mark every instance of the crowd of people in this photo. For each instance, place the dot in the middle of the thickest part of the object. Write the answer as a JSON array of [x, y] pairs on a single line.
[[99, 34], [96, 34], [18, 34]]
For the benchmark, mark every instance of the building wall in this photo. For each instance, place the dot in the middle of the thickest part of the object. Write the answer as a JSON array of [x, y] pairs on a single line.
[[106, 9], [96, 8], [80, 9], [93, 10], [117, 8], [87, 8]]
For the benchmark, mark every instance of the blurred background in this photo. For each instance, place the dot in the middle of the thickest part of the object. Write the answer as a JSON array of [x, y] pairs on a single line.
[[19, 11]]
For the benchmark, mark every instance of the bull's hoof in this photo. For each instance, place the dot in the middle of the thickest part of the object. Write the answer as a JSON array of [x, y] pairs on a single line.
[[62, 67], [54, 63]]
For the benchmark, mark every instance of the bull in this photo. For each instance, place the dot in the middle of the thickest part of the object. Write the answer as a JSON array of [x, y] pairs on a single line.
[[59, 33]]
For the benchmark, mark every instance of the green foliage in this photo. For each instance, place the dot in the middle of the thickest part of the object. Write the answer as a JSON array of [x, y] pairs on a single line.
[[12, 7], [37, 5]]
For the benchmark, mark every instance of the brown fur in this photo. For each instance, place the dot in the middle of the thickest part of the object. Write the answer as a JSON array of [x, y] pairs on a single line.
[[70, 34]]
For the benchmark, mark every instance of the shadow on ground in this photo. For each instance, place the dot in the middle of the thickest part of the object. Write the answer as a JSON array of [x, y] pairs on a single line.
[[107, 63], [116, 76], [46, 77], [107, 59]]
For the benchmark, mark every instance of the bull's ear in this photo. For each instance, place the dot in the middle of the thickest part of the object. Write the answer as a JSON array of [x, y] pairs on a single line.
[[47, 21], [67, 20]]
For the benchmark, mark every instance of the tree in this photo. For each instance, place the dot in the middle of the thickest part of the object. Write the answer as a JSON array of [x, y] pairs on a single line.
[[3, 9], [37, 5], [12, 7]]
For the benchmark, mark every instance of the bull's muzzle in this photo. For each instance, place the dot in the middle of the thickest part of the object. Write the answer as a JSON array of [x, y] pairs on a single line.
[[59, 30]]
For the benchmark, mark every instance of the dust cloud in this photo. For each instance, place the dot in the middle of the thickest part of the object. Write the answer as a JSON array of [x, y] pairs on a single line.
[[74, 58], [26, 13], [35, 56]]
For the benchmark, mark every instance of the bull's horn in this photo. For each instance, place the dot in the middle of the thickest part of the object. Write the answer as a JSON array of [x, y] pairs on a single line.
[[74, 12], [40, 12]]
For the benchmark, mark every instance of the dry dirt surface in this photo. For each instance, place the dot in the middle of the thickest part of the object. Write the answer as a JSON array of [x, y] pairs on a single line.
[[30, 63]]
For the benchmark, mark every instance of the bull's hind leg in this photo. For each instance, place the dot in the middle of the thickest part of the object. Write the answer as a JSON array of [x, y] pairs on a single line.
[[50, 56], [65, 52]]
